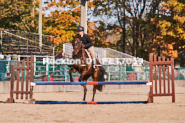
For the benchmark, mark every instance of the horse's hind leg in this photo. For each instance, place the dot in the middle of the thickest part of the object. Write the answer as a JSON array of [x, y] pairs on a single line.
[[72, 70], [95, 78], [70, 74], [85, 91], [94, 92]]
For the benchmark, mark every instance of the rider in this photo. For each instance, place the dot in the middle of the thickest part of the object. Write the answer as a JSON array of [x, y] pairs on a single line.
[[87, 44]]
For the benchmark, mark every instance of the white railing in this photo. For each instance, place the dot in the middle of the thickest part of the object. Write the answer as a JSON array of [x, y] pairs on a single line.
[[100, 53]]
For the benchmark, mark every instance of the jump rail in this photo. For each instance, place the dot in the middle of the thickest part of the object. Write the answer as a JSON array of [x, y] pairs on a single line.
[[90, 83], [90, 102]]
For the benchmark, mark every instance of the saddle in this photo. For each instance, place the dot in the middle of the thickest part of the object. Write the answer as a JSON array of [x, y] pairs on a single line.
[[89, 55]]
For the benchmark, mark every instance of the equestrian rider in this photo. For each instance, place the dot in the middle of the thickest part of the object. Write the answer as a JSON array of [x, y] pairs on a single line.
[[87, 44]]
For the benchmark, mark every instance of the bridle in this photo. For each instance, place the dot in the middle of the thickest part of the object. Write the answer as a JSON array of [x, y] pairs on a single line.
[[77, 49]]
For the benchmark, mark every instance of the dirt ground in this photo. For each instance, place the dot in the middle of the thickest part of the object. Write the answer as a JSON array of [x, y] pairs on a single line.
[[161, 111]]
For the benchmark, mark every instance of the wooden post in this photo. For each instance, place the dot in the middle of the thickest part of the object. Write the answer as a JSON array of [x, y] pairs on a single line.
[[155, 75], [22, 80], [172, 80], [164, 81], [150, 98], [18, 77], [27, 76], [159, 59], [168, 77], [11, 100], [31, 79]]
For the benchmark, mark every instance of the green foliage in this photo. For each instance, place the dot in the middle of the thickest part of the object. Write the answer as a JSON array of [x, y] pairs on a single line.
[[63, 21], [170, 28]]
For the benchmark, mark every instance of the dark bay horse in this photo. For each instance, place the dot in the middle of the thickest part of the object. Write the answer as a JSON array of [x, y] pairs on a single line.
[[85, 70]]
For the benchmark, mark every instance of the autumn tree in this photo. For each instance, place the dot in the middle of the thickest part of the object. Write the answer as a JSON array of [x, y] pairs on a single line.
[[64, 20], [19, 15], [128, 15], [171, 26]]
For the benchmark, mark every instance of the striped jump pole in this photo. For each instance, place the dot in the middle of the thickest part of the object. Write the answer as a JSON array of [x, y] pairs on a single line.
[[91, 83], [90, 102]]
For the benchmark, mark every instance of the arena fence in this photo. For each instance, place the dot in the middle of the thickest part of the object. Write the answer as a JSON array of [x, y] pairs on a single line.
[[89, 102], [48, 72]]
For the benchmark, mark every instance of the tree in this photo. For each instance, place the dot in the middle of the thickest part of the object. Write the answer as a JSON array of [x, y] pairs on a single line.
[[100, 36], [63, 21], [171, 26], [128, 14], [18, 15]]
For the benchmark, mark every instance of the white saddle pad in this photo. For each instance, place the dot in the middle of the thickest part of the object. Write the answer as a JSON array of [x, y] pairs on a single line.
[[88, 54]]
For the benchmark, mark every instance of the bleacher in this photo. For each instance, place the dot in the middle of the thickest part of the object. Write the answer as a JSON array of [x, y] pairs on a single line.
[[26, 43]]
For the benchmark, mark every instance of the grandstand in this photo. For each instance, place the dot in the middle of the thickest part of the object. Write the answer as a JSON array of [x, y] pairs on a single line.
[[26, 43]]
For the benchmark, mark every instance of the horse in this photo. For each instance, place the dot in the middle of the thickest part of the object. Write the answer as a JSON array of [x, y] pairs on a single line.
[[86, 70]]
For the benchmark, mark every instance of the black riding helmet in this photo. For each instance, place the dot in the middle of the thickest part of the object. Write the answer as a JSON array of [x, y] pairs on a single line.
[[80, 28]]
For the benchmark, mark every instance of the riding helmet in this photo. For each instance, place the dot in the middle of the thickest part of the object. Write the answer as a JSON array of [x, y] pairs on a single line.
[[80, 28]]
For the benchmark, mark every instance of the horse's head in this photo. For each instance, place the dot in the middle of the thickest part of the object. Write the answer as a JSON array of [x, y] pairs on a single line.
[[77, 45]]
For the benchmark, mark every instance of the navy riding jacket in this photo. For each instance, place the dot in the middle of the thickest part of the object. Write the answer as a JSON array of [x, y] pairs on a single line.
[[86, 40]]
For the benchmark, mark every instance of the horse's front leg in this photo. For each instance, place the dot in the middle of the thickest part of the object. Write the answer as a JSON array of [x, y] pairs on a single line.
[[85, 88], [85, 92], [80, 79]]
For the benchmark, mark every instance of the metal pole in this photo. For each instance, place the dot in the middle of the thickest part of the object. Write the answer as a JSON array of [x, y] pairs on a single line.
[[34, 65], [109, 80], [65, 81], [53, 58], [124, 29], [53, 52], [47, 65], [40, 24], [48, 73], [83, 18], [19, 57], [1, 38]]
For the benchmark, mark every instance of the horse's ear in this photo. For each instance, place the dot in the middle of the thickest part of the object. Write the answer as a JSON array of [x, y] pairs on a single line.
[[73, 43]]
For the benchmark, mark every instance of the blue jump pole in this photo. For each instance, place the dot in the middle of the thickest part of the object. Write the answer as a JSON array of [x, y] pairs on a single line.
[[91, 102], [91, 83]]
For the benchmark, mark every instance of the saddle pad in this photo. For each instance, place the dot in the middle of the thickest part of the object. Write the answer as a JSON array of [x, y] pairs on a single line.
[[88, 54]]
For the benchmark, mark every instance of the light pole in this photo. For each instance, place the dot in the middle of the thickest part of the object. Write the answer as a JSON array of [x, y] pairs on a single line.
[[83, 18], [40, 24]]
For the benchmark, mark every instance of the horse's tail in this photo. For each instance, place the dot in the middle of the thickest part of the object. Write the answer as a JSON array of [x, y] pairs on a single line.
[[102, 77]]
